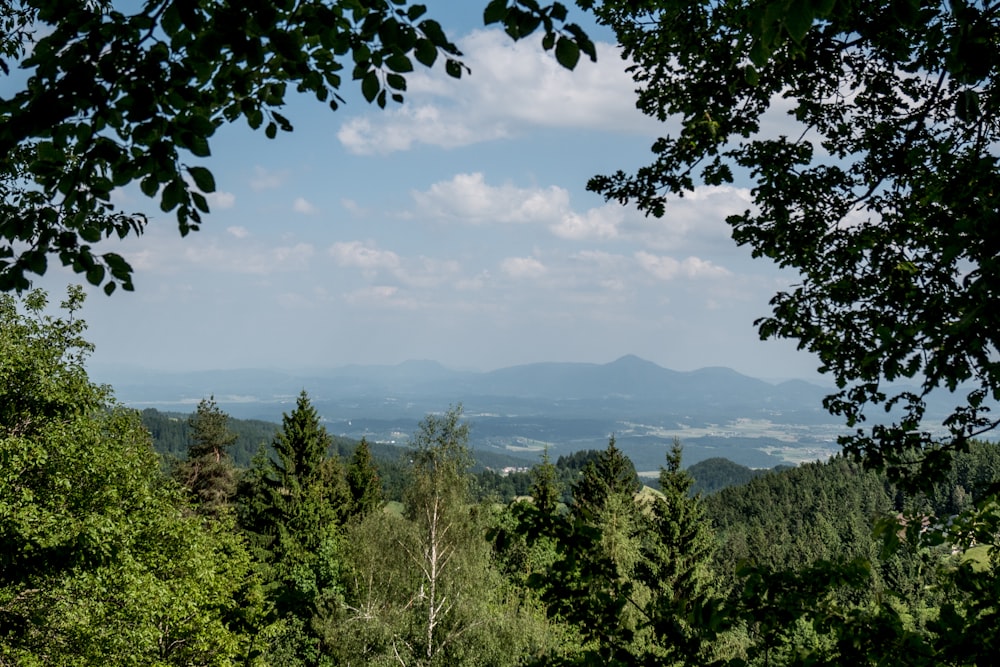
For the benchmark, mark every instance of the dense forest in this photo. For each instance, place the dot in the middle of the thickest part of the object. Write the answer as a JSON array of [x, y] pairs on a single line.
[[115, 552]]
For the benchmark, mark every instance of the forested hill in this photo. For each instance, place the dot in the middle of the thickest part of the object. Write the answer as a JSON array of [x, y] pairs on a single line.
[[825, 511], [171, 433], [715, 474]]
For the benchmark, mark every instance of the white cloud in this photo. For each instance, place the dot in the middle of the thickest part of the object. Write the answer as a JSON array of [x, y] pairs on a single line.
[[364, 256], [468, 198], [475, 283], [523, 267], [419, 272], [238, 231], [255, 260], [301, 205], [693, 223], [667, 268], [264, 179], [220, 200], [352, 206], [400, 129], [696, 221], [513, 85], [291, 255], [596, 223], [380, 296]]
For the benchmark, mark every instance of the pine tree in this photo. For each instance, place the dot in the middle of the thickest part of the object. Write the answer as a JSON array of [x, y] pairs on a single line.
[[300, 491], [591, 583], [545, 489], [293, 504], [674, 567], [363, 482], [609, 474], [210, 434], [208, 471]]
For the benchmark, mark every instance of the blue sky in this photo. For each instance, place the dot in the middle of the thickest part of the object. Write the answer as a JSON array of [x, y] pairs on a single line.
[[456, 227]]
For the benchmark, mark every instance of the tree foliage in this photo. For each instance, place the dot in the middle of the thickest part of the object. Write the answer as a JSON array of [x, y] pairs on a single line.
[[293, 504], [881, 192], [609, 474], [100, 560], [208, 471], [117, 95], [363, 481]]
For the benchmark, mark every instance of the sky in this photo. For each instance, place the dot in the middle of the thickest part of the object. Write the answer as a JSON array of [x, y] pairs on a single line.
[[456, 227]]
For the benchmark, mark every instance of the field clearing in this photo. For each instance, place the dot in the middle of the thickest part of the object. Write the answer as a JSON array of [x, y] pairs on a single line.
[[741, 427]]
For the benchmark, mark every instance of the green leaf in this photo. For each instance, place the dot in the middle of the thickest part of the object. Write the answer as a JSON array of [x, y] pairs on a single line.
[[171, 21], [398, 62], [95, 274], [425, 52], [799, 19], [370, 86], [567, 52], [432, 29], [120, 269], [255, 118], [967, 105], [495, 12], [172, 195], [37, 262], [149, 186], [203, 178], [760, 53], [200, 202], [271, 131], [453, 68], [395, 81], [49, 153], [282, 122], [198, 145]]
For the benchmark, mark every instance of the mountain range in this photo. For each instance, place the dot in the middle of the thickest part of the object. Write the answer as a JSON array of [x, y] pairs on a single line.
[[630, 383]]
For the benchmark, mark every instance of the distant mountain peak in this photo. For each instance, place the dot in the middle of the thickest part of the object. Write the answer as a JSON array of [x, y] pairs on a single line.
[[632, 360]]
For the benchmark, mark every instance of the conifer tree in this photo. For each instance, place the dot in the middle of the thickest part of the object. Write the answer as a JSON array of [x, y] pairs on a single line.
[[545, 489], [675, 556], [208, 471], [363, 481], [299, 493], [611, 473], [293, 504], [590, 584]]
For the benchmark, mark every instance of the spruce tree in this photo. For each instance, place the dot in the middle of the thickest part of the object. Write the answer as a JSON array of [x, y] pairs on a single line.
[[545, 489], [363, 482], [299, 494], [676, 553], [293, 504], [609, 474]]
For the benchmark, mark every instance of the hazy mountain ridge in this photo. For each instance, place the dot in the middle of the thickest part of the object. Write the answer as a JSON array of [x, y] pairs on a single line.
[[627, 380], [519, 410]]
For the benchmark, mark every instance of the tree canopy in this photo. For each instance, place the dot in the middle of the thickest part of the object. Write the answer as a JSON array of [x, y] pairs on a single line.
[[100, 560], [114, 96], [880, 190]]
